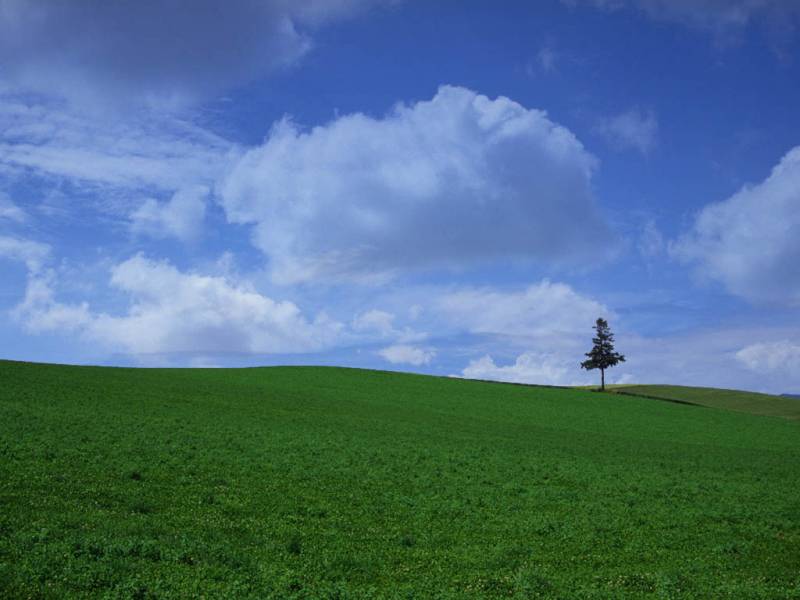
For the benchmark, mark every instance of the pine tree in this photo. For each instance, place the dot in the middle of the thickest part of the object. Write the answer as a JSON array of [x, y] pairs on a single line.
[[602, 355]]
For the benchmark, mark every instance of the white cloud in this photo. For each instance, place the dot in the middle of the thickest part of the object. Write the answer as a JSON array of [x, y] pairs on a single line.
[[39, 311], [33, 254], [708, 357], [771, 356], [378, 321], [529, 367], [751, 241], [154, 55], [10, 211], [454, 181], [405, 354], [550, 322], [171, 311], [143, 152], [713, 358], [381, 324], [549, 311], [632, 129], [181, 217]]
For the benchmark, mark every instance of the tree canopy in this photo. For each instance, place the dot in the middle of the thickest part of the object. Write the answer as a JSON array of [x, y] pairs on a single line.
[[602, 355]]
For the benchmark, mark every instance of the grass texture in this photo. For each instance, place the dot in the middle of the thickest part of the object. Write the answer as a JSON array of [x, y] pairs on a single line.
[[338, 483], [749, 402]]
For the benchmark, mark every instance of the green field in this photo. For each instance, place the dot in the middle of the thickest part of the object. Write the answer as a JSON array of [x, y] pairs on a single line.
[[339, 483], [749, 402]]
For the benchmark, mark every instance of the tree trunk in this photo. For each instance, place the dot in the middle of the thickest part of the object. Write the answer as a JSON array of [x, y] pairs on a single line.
[[602, 380]]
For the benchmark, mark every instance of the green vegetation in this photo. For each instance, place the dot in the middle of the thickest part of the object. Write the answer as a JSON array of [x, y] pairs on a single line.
[[323, 482], [602, 355], [749, 402]]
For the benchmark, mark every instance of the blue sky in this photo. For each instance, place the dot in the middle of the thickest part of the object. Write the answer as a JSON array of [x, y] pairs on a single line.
[[450, 188]]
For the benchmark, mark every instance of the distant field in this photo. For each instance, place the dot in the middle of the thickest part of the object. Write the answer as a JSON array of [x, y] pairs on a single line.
[[749, 402], [339, 483]]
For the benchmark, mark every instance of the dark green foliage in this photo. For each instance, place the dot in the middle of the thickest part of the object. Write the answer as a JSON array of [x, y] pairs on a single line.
[[338, 483], [294, 546], [602, 355]]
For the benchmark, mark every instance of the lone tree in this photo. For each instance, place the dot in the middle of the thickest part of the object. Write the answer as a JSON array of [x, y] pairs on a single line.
[[602, 355]]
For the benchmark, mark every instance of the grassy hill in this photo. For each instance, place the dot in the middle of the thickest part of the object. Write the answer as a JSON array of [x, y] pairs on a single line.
[[324, 482], [749, 402]]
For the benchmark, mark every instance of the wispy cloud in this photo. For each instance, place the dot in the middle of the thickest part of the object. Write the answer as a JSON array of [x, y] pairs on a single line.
[[547, 58], [546, 310], [9, 211], [631, 130], [725, 19], [651, 243], [32, 253], [762, 357], [149, 151], [181, 216]]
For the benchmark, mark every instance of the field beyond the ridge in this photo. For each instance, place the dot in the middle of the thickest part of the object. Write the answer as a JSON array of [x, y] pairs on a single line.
[[323, 482], [749, 402]]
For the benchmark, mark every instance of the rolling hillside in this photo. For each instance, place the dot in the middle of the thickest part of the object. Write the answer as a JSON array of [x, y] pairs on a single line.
[[339, 483], [749, 402]]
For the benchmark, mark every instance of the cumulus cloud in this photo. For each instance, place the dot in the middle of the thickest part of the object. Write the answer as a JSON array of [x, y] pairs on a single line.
[[377, 321], [713, 357], [771, 356], [707, 357], [32, 253], [633, 129], [172, 311], [453, 181], [550, 322], [529, 367], [545, 310], [751, 241], [39, 310], [405, 354], [181, 217], [163, 52]]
